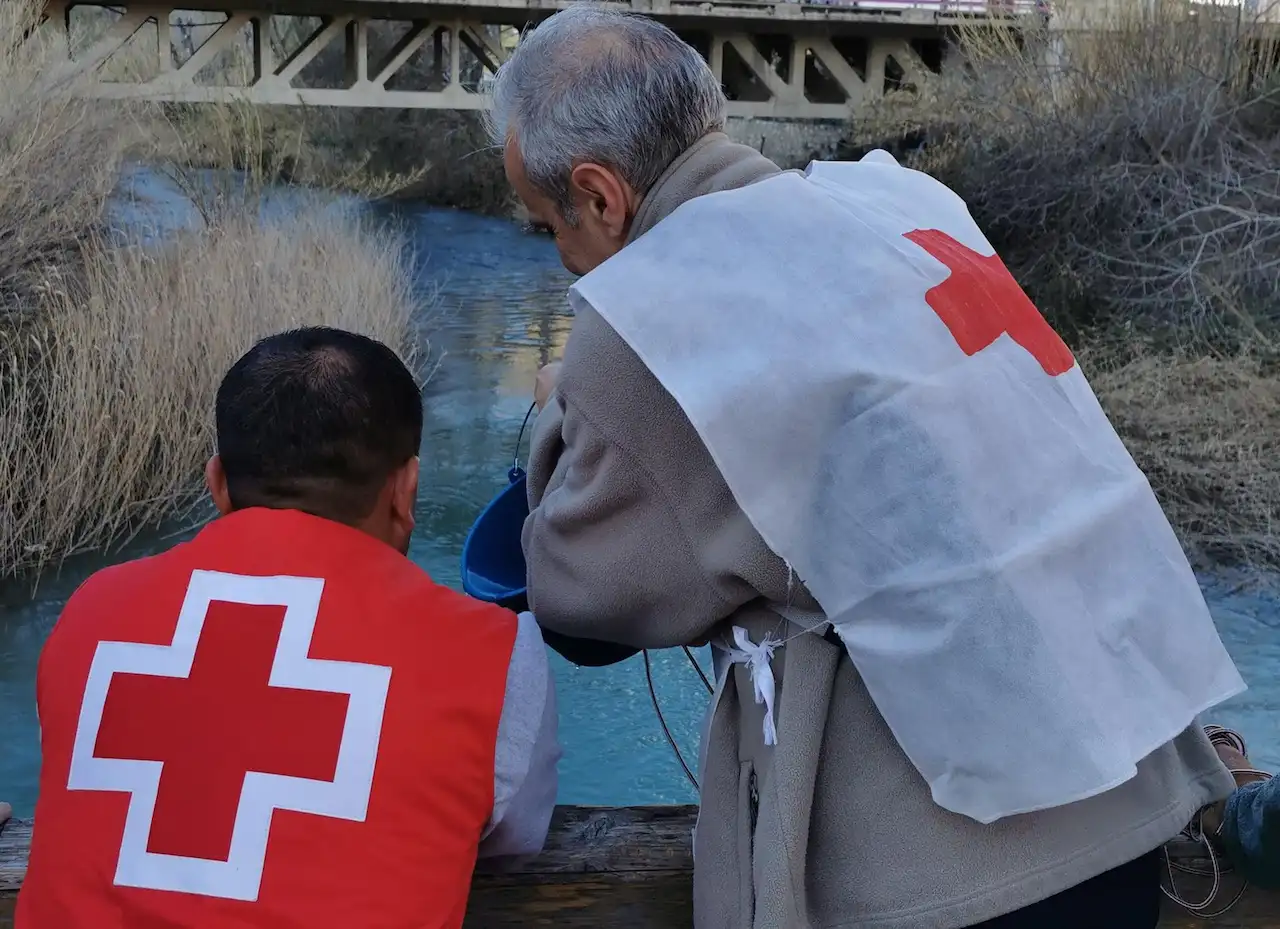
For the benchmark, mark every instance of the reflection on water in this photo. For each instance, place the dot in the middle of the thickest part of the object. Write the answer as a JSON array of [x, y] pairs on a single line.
[[500, 314]]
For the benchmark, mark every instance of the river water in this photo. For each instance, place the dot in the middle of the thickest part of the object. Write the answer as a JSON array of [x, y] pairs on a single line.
[[499, 314]]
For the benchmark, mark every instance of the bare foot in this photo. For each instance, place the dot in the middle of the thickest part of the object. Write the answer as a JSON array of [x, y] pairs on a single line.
[[5, 812]]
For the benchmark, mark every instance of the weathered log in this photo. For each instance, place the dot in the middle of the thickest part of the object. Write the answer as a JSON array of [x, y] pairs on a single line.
[[632, 868]]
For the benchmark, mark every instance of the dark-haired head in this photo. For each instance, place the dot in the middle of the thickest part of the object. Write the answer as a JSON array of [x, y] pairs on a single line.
[[323, 421]]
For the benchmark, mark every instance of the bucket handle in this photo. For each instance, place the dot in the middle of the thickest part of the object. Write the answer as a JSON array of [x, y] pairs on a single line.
[[516, 471]]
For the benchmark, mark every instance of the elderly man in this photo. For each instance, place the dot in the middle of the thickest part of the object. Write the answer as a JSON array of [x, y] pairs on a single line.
[[811, 417]]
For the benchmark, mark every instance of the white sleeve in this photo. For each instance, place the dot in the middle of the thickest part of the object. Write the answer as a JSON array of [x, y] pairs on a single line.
[[528, 750]]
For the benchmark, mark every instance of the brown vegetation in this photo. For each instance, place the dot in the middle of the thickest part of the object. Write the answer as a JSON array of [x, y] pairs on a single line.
[[1129, 175], [110, 352], [436, 157], [59, 158], [1207, 432]]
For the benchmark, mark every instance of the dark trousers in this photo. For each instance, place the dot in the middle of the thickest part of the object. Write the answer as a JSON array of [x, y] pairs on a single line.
[[1125, 898]]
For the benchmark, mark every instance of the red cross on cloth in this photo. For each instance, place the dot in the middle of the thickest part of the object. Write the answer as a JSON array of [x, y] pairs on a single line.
[[215, 732], [980, 301]]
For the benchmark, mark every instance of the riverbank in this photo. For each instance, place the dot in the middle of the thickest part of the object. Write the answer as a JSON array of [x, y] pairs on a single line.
[[430, 157], [113, 338]]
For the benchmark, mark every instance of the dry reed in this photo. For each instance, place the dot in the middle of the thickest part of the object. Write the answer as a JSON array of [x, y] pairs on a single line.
[[111, 420], [59, 158], [110, 352], [1206, 431]]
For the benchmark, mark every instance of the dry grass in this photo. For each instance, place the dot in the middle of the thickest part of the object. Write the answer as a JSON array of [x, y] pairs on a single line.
[[1206, 430], [253, 149], [110, 353], [434, 157], [1129, 175], [111, 420], [59, 158], [445, 158]]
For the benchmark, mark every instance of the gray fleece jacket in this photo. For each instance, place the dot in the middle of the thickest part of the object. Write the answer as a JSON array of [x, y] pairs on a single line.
[[634, 537]]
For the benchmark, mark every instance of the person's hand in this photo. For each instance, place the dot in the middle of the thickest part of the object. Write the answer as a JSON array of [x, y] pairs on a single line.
[[545, 382]]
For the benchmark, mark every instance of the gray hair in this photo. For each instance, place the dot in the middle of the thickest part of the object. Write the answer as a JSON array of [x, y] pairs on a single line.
[[590, 84]]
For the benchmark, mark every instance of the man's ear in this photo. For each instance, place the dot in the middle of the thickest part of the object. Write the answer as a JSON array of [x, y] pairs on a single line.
[[602, 197], [215, 478], [404, 495]]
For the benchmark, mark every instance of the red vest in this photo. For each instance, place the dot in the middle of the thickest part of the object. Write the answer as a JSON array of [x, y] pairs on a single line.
[[282, 724]]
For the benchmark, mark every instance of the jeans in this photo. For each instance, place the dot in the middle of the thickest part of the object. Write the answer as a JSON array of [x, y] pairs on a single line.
[[1250, 832]]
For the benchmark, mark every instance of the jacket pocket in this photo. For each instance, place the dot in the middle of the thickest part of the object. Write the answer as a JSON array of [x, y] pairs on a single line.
[[748, 813]]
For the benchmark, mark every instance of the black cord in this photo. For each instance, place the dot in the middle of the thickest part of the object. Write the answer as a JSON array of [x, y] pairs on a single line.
[[653, 695], [515, 461], [697, 667]]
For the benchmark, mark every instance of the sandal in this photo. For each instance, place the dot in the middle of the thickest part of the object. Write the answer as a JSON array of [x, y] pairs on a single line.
[[1204, 828], [1221, 736]]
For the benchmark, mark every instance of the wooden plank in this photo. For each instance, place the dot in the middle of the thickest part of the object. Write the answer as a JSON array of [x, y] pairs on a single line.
[[632, 868], [15, 841]]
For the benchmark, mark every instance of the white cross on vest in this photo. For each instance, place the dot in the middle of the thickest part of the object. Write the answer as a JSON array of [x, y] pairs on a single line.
[[146, 750]]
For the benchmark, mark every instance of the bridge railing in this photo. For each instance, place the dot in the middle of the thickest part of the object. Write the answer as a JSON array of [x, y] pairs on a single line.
[[976, 7]]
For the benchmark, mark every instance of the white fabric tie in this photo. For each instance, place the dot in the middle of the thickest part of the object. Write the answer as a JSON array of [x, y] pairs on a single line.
[[757, 658]]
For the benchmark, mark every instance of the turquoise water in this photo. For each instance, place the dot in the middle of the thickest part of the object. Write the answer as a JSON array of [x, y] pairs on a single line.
[[499, 314]]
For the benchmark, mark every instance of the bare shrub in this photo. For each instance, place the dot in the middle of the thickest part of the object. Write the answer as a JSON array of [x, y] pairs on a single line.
[[1127, 165], [280, 145], [109, 411], [443, 157]]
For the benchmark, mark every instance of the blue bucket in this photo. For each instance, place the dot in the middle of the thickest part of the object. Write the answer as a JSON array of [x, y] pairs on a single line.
[[493, 566], [492, 560]]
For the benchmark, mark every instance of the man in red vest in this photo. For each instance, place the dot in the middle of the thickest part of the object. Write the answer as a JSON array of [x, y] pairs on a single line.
[[284, 722]]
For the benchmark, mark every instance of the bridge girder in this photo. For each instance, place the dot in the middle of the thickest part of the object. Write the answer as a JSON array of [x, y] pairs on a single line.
[[786, 69]]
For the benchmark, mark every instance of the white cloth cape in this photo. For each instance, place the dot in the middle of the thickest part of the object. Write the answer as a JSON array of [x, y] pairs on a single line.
[[995, 563]]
